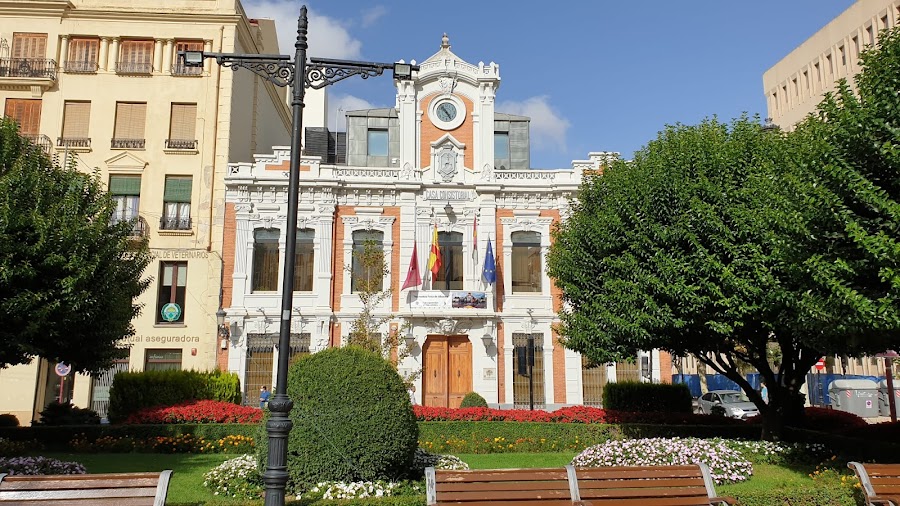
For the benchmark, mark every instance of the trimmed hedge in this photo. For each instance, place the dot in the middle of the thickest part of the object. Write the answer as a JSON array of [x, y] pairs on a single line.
[[808, 495], [884, 452], [56, 438], [647, 397], [133, 391], [473, 400]]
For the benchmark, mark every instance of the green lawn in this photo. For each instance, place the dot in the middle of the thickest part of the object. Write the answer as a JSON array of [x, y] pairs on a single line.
[[516, 460]]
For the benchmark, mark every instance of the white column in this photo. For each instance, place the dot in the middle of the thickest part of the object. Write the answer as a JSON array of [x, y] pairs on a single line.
[[157, 56], [207, 47], [63, 51], [408, 235], [243, 246], [406, 100], [115, 53], [167, 57], [104, 54], [324, 260]]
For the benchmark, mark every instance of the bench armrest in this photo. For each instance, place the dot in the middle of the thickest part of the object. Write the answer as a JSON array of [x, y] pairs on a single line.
[[879, 500], [722, 500]]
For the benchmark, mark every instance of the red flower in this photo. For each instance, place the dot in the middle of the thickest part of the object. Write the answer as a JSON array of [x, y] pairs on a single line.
[[198, 412]]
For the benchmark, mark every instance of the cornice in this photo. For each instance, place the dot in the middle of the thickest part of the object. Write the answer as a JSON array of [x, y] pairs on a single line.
[[175, 17], [34, 8]]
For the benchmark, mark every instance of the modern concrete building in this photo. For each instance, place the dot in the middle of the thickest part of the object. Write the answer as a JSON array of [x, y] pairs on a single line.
[[444, 164], [98, 83], [795, 85]]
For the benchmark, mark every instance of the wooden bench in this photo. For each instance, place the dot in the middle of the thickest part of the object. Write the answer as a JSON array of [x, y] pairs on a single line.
[[119, 489], [603, 486], [880, 483]]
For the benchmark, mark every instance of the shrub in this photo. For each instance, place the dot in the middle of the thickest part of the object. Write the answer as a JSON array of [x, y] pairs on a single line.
[[67, 414], [9, 448], [884, 431], [198, 412], [8, 420], [352, 419], [647, 397], [38, 466], [237, 477], [123, 437], [725, 464], [571, 414], [133, 391], [473, 400], [831, 420]]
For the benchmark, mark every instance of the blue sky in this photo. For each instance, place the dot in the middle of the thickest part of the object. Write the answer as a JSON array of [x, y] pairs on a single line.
[[596, 75]]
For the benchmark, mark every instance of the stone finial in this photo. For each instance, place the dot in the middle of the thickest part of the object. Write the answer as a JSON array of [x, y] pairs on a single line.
[[445, 41]]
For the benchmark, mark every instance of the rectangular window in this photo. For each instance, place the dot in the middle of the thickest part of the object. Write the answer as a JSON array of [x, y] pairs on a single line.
[[27, 113], [450, 277], [162, 360], [129, 129], [806, 81], [135, 57], [182, 127], [870, 35], [126, 193], [303, 261], [884, 23], [528, 370], [830, 65], [29, 46], [367, 272], [265, 260], [796, 88], [76, 122], [818, 73], [526, 262], [177, 203], [377, 142], [82, 57], [179, 69], [855, 46], [843, 56], [501, 151], [172, 291]]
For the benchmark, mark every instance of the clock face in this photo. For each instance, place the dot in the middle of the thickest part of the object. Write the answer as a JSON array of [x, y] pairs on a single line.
[[446, 111]]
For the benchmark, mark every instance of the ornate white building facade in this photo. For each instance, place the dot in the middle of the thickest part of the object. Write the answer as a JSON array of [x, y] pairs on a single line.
[[442, 160]]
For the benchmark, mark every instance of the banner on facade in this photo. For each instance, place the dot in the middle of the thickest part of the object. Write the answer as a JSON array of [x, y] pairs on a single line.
[[436, 299]]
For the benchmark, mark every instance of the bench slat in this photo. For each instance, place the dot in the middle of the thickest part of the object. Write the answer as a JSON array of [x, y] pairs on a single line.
[[503, 495], [11, 483], [113, 489], [11, 495], [503, 485], [643, 501], [503, 475], [657, 482], [591, 494], [110, 501], [518, 502], [636, 473]]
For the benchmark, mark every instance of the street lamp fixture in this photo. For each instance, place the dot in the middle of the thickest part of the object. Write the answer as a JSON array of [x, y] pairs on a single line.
[[300, 74], [224, 331]]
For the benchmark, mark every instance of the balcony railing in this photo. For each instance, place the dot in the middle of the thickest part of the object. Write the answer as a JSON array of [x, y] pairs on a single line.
[[41, 141], [181, 143], [80, 67], [123, 67], [180, 69], [167, 223], [127, 143], [40, 68], [139, 225], [73, 142]]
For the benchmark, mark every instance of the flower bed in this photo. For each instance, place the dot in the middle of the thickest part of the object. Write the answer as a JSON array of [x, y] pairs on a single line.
[[197, 412], [182, 443], [571, 414], [38, 466], [237, 477]]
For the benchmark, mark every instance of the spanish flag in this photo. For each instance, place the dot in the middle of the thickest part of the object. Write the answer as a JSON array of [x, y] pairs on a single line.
[[434, 259]]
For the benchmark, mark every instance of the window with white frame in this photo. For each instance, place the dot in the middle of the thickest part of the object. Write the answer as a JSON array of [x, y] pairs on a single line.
[[303, 260], [366, 273], [264, 277], [450, 277], [526, 262]]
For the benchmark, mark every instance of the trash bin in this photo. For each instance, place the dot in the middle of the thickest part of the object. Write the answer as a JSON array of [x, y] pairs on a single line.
[[857, 396], [884, 403]]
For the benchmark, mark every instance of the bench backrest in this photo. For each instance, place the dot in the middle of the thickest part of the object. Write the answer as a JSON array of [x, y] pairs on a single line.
[[881, 480], [652, 485], [119, 489], [519, 486]]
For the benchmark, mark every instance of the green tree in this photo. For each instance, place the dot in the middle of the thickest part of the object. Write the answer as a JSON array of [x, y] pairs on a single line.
[[68, 277]]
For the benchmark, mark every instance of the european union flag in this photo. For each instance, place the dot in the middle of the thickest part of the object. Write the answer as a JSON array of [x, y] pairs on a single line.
[[489, 272]]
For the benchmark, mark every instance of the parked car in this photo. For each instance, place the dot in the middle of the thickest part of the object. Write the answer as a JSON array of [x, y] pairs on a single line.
[[735, 403]]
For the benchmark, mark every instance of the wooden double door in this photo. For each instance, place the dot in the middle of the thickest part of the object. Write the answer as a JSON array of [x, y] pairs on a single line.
[[447, 374]]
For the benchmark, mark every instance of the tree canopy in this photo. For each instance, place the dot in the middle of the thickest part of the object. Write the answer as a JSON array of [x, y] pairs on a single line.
[[69, 276]]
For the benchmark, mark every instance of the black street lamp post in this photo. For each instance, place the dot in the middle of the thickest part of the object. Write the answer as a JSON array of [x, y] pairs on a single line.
[[301, 74]]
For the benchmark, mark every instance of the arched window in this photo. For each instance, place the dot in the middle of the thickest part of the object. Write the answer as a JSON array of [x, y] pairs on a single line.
[[303, 261], [526, 262], [367, 272], [450, 276], [265, 260]]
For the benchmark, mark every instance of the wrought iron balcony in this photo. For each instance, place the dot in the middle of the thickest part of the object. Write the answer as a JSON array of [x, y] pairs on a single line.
[[80, 67], [28, 68], [167, 223], [180, 69], [123, 67], [73, 142], [139, 225], [41, 141], [127, 143], [181, 143]]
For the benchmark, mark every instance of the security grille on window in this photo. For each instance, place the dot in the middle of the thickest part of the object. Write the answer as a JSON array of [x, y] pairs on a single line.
[[593, 380], [265, 260], [129, 130], [526, 262], [303, 261], [177, 204], [450, 277], [126, 193], [627, 371], [162, 360], [528, 370], [172, 290], [82, 57], [182, 127], [366, 273], [76, 123], [261, 361]]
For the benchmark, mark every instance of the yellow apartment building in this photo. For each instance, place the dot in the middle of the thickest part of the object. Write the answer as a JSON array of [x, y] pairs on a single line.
[[97, 83]]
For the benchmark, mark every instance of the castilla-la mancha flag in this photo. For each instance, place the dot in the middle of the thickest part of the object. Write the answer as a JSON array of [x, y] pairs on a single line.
[[412, 277], [434, 259]]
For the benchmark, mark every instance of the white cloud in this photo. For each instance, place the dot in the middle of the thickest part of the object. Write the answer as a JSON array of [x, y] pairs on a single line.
[[370, 16], [338, 105], [548, 127], [328, 37]]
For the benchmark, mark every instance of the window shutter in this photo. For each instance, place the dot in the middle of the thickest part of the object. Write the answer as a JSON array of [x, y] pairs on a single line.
[[125, 185], [130, 120], [188, 45], [136, 51], [29, 45], [84, 50], [184, 120], [76, 119], [27, 113], [178, 189]]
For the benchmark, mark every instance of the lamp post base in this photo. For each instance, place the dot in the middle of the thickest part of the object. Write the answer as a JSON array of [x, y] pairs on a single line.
[[278, 427]]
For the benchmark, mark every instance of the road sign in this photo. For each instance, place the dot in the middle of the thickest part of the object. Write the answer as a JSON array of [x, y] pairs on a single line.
[[63, 369], [820, 365]]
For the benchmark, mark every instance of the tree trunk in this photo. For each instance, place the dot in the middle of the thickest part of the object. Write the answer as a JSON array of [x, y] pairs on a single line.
[[701, 373], [785, 409]]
